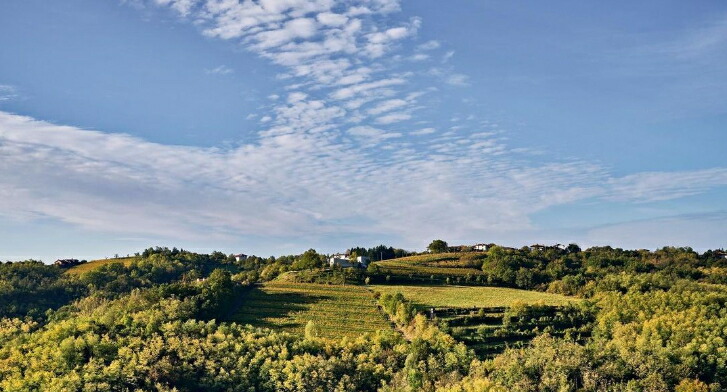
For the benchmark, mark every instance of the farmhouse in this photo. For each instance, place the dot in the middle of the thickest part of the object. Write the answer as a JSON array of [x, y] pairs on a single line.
[[344, 261], [240, 257], [66, 263], [720, 253], [482, 247]]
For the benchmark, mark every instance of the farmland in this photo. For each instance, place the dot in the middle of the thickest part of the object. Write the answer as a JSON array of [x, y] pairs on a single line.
[[471, 296], [489, 319], [433, 268], [337, 310], [92, 265]]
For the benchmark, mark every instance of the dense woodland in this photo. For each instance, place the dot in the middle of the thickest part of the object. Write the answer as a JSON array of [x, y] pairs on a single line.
[[657, 322]]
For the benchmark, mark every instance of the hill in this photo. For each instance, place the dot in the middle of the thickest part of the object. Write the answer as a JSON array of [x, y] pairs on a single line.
[[432, 268], [94, 264], [472, 296], [337, 310]]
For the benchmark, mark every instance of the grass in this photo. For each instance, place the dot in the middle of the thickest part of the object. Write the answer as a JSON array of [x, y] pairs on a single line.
[[439, 265], [471, 296], [92, 265], [475, 315], [337, 310]]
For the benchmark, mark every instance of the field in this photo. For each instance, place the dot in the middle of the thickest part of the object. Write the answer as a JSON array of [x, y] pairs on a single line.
[[481, 317], [471, 296], [92, 265], [434, 267], [337, 310]]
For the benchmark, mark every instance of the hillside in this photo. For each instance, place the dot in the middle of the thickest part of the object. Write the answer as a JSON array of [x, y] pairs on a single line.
[[337, 310], [95, 264], [471, 297], [433, 268], [601, 319]]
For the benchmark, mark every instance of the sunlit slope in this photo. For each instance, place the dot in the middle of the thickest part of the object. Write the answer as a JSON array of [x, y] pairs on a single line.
[[337, 310]]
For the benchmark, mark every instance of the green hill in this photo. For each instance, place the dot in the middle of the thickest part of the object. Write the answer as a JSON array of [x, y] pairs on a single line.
[[93, 264], [337, 310]]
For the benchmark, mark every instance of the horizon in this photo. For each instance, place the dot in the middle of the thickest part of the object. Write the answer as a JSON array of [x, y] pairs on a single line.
[[269, 127]]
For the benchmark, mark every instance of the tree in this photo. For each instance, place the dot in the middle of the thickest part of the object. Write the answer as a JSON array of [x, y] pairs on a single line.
[[311, 330], [573, 248], [438, 246], [308, 260]]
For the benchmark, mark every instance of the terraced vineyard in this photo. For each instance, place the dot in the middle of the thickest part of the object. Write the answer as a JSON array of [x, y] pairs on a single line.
[[488, 319], [434, 268], [490, 330], [425, 297], [338, 310]]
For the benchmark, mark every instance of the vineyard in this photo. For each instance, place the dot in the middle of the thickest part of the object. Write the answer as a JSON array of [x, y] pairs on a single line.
[[489, 330], [92, 265], [489, 319], [425, 297], [434, 268], [337, 310]]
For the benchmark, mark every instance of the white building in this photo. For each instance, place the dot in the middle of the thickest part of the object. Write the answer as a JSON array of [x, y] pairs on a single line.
[[344, 261], [240, 257], [482, 247]]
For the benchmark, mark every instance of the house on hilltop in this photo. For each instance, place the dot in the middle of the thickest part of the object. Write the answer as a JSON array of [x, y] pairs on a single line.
[[67, 263], [240, 257], [482, 247], [345, 261]]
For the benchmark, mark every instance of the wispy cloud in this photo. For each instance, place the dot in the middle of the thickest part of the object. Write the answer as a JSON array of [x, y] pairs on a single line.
[[333, 150], [220, 70], [8, 93], [457, 79], [701, 40]]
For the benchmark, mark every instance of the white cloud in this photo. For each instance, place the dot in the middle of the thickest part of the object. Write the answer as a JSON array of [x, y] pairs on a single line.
[[302, 175], [429, 45], [331, 19], [447, 56], [296, 183], [387, 105], [8, 93], [423, 131], [220, 70], [419, 57], [393, 118], [457, 79]]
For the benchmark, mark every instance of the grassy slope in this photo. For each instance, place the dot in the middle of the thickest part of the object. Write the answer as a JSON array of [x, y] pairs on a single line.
[[471, 296], [338, 310], [92, 265], [441, 264]]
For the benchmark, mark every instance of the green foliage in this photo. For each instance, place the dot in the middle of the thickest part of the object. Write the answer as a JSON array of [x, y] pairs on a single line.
[[381, 252], [400, 310], [308, 260], [175, 320], [30, 288], [311, 330], [438, 246], [337, 311]]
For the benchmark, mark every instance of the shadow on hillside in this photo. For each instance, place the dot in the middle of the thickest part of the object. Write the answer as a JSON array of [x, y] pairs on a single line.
[[255, 305]]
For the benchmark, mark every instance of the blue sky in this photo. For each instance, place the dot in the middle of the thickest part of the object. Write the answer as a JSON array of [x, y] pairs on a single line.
[[273, 126]]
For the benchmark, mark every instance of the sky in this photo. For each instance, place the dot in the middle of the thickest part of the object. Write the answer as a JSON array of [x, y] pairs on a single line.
[[272, 126]]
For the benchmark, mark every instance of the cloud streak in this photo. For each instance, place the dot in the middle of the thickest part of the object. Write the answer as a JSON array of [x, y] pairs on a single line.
[[332, 156]]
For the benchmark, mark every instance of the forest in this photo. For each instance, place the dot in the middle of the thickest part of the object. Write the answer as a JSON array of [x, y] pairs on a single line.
[[173, 320]]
